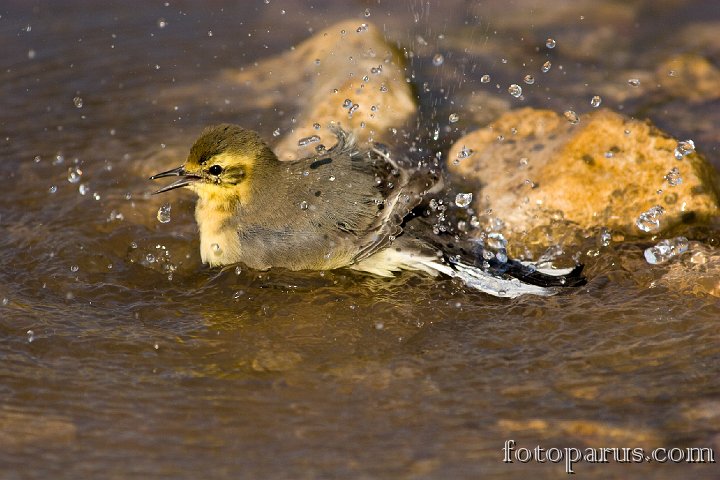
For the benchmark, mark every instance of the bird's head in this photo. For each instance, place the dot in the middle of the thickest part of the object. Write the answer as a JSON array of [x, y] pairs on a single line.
[[221, 164]]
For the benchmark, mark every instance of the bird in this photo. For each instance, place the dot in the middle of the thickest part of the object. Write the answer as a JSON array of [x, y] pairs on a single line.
[[348, 206]]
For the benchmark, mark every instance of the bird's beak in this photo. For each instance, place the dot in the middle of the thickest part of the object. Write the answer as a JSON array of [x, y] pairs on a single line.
[[186, 178]]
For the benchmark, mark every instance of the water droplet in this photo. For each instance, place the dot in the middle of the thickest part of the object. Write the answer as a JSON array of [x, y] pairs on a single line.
[[5, 301], [347, 103], [96, 196], [362, 28], [595, 101], [210, 34], [316, 126], [673, 177], [605, 237], [550, 43], [31, 54], [571, 116], [320, 149], [52, 189], [462, 200], [115, 216], [74, 174], [83, 189], [650, 220], [150, 258], [367, 12], [454, 117], [485, 79], [304, 205], [353, 109], [684, 148], [515, 90], [465, 153], [30, 336], [238, 270], [496, 240], [666, 249], [438, 59], [529, 79], [305, 141], [546, 66], [634, 82], [276, 132], [162, 23], [332, 178], [163, 213], [78, 102], [74, 268], [216, 248]]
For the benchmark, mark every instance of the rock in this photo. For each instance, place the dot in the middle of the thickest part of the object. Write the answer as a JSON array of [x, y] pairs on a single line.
[[542, 175], [690, 77], [346, 74]]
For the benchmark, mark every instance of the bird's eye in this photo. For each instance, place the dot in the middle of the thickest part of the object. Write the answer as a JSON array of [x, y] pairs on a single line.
[[215, 170]]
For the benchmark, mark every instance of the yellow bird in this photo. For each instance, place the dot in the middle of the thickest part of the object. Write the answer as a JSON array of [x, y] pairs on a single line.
[[347, 207]]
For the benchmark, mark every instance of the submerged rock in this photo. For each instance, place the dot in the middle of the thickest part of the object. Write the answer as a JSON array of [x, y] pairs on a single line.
[[346, 74], [543, 175]]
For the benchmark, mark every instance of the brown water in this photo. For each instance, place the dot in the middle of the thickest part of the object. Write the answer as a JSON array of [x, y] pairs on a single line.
[[122, 356]]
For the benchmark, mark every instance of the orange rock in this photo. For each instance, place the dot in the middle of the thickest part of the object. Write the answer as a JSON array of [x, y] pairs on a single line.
[[536, 171], [347, 61]]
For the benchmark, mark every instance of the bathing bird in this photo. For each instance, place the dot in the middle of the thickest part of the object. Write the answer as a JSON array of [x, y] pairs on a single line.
[[345, 207]]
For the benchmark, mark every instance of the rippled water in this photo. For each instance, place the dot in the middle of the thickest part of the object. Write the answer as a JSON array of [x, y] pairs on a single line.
[[121, 355]]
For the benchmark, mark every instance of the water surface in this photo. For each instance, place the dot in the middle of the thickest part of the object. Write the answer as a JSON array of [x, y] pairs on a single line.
[[122, 356]]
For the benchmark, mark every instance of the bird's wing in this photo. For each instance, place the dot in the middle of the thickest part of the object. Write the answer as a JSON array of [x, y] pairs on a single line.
[[399, 185]]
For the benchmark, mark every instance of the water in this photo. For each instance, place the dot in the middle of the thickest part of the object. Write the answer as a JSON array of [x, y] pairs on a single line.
[[142, 363]]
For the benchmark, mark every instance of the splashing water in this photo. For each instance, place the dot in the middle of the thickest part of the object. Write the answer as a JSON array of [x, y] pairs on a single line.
[[462, 200], [163, 213], [673, 177], [650, 220], [684, 148], [571, 116], [666, 249], [308, 140]]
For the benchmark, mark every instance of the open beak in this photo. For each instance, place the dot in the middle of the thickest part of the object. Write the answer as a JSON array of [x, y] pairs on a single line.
[[184, 180]]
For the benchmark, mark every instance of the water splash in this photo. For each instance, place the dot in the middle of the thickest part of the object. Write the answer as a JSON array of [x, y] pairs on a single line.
[[305, 141], [163, 213], [571, 117], [462, 200], [684, 148], [74, 174], [666, 250], [673, 177], [650, 220]]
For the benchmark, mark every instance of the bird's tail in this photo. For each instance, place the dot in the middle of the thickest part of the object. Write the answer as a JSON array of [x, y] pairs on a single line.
[[515, 278]]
